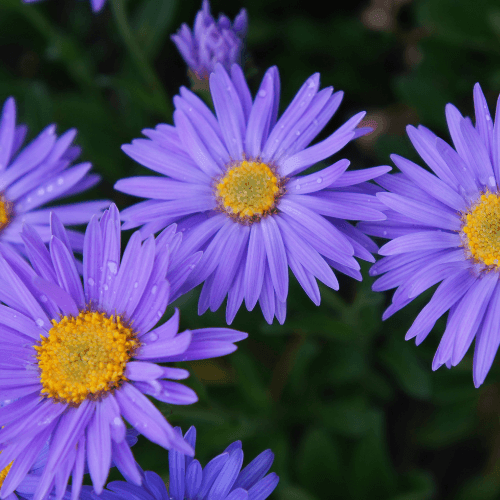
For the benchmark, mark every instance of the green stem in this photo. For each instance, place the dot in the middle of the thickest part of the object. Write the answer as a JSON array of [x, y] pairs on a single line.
[[139, 58]]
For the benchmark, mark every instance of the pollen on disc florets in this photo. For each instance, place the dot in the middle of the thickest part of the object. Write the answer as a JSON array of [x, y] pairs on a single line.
[[249, 190], [4, 472], [5, 212], [84, 357], [481, 231]]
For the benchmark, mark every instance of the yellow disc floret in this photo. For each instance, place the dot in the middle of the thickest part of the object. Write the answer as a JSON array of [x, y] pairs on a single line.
[[4, 472], [482, 230], [84, 356], [248, 190], [5, 212]]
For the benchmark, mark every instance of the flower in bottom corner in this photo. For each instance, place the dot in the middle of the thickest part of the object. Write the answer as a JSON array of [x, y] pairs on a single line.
[[221, 479], [444, 228], [82, 358]]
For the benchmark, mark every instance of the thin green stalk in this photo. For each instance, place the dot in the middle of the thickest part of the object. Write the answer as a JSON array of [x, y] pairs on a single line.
[[143, 66]]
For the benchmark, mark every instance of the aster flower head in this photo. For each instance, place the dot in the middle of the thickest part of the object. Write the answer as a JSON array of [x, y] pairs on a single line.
[[96, 5], [80, 359], [444, 229], [233, 184], [36, 175], [221, 479], [211, 41], [27, 486]]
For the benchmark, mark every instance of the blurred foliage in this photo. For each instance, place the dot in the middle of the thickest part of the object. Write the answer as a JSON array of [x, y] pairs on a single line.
[[349, 408]]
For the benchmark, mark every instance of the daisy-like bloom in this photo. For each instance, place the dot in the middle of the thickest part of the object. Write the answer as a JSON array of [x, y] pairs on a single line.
[[232, 184], [27, 487], [445, 228], [221, 479], [81, 358], [96, 5], [211, 41], [38, 174]]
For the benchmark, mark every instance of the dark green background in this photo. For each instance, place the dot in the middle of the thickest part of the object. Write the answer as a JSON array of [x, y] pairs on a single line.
[[350, 409]]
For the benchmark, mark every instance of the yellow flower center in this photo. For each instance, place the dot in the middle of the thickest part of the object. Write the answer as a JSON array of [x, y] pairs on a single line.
[[248, 190], [5, 212], [84, 356], [482, 230], [4, 472]]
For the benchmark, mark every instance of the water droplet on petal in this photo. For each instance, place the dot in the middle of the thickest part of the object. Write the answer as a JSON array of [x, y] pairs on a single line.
[[319, 180], [106, 287], [297, 186], [117, 421], [60, 181], [43, 298], [491, 181], [153, 337], [39, 322], [262, 93], [40, 192], [91, 282], [136, 284], [113, 268], [153, 290]]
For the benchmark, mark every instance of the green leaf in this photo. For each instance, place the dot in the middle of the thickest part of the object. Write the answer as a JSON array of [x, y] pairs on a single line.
[[447, 425], [419, 485], [401, 360], [293, 493], [349, 417], [153, 23], [250, 381], [480, 488], [371, 472], [319, 464], [460, 22]]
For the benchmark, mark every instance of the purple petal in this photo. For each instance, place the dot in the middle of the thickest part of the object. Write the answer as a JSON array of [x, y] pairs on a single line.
[[487, 340], [7, 132]]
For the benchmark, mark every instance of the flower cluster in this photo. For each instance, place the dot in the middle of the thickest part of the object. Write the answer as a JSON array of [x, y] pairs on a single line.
[[243, 195]]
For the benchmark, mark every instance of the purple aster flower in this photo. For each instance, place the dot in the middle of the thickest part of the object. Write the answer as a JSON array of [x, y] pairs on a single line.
[[38, 174], [82, 358], [221, 479], [232, 184], [444, 229], [27, 487], [211, 41], [96, 5]]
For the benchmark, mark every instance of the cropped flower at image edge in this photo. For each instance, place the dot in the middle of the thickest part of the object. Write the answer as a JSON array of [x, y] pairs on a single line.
[[37, 174], [78, 359], [221, 479], [444, 229]]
